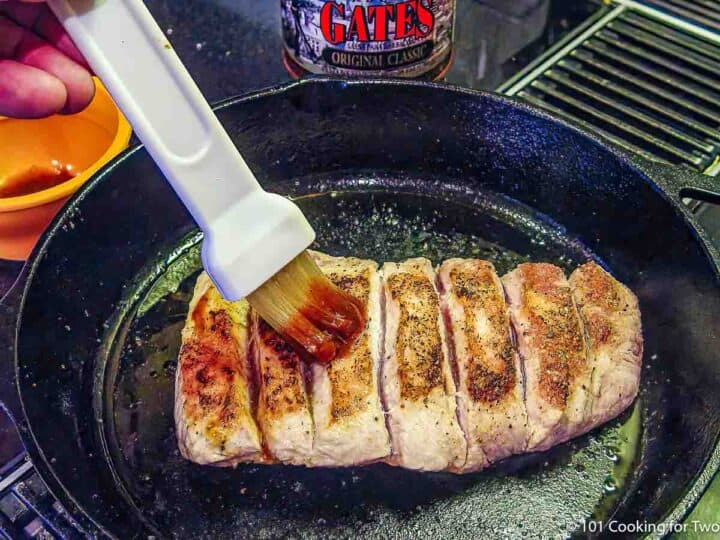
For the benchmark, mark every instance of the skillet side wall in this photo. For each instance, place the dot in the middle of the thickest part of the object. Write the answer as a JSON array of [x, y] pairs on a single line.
[[402, 132]]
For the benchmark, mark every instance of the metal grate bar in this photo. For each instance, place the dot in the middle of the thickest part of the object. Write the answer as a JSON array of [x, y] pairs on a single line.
[[712, 5], [663, 46], [610, 120], [655, 88], [15, 475], [619, 56], [663, 32], [561, 49], [622, 143], [613, 39], [709, 9], [630, 113], [685, 9], [578, 70], [644, 79]]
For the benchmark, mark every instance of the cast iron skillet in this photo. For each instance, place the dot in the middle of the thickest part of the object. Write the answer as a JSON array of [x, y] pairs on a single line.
[[383, 170]]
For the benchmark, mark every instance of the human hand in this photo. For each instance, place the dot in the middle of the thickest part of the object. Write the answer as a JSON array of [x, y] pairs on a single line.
[[41, 70]]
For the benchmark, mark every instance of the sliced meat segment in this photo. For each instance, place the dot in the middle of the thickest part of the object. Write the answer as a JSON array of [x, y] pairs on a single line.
[[213, 383], [489, 379], [349, 420], [551, 345], [283, 406], [613, 328], [417, 382]]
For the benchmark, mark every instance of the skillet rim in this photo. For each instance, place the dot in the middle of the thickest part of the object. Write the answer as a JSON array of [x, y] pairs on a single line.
[[668, 182]]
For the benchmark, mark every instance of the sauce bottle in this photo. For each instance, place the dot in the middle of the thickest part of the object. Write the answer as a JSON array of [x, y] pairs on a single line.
[[368, 38]]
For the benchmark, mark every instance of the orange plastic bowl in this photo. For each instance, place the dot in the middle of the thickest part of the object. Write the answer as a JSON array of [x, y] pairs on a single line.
[[86, 140]]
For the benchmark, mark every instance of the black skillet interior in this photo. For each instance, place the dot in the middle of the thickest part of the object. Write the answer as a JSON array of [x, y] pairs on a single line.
[[383, 171]]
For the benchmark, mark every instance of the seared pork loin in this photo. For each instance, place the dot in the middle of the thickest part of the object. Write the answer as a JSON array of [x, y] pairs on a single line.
[[417, 382], [283, 406], [349, 419], [213, 403], [489, 378], [448, 380], [611, 316], [551, 344]]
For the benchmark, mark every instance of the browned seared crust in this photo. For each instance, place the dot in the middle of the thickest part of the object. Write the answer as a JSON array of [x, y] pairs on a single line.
[[348, 418], [615, 343], [607, 298], [418, 331], [418, 389], [490, 364], [280, 370], [351, 381], [600, 288], [557, 338], [602, 291], [209, 364]]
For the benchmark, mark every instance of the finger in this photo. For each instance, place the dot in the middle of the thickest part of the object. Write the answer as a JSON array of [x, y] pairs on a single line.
[[49, 28], [35, 52], [43, 22], [23, 13], [28, 92]]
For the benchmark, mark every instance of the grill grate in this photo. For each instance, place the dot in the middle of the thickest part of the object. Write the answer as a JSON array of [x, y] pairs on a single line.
[[704, 12], [647, 86]]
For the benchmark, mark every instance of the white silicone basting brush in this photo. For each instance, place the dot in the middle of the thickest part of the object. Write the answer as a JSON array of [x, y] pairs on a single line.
[[254, 242]]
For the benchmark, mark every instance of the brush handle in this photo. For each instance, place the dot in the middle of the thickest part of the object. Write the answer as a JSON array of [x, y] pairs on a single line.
[[248, 232]]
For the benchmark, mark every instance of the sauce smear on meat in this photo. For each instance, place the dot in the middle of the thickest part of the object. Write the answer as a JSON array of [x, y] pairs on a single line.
[[338, 315]]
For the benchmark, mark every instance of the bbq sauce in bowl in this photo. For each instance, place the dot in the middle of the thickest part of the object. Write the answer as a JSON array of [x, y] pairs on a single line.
[[45, 160], [36, 178]]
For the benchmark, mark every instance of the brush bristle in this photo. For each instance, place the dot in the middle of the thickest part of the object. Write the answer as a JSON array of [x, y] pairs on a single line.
[[301, 303]]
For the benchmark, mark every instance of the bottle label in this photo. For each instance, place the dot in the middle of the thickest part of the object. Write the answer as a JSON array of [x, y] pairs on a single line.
[[399, 38]]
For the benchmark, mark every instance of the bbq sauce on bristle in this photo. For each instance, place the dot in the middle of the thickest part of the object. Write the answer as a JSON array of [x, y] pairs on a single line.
[[302, 304]]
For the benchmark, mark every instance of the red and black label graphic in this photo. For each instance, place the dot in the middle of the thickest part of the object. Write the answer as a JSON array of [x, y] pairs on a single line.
[[410, 19]]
